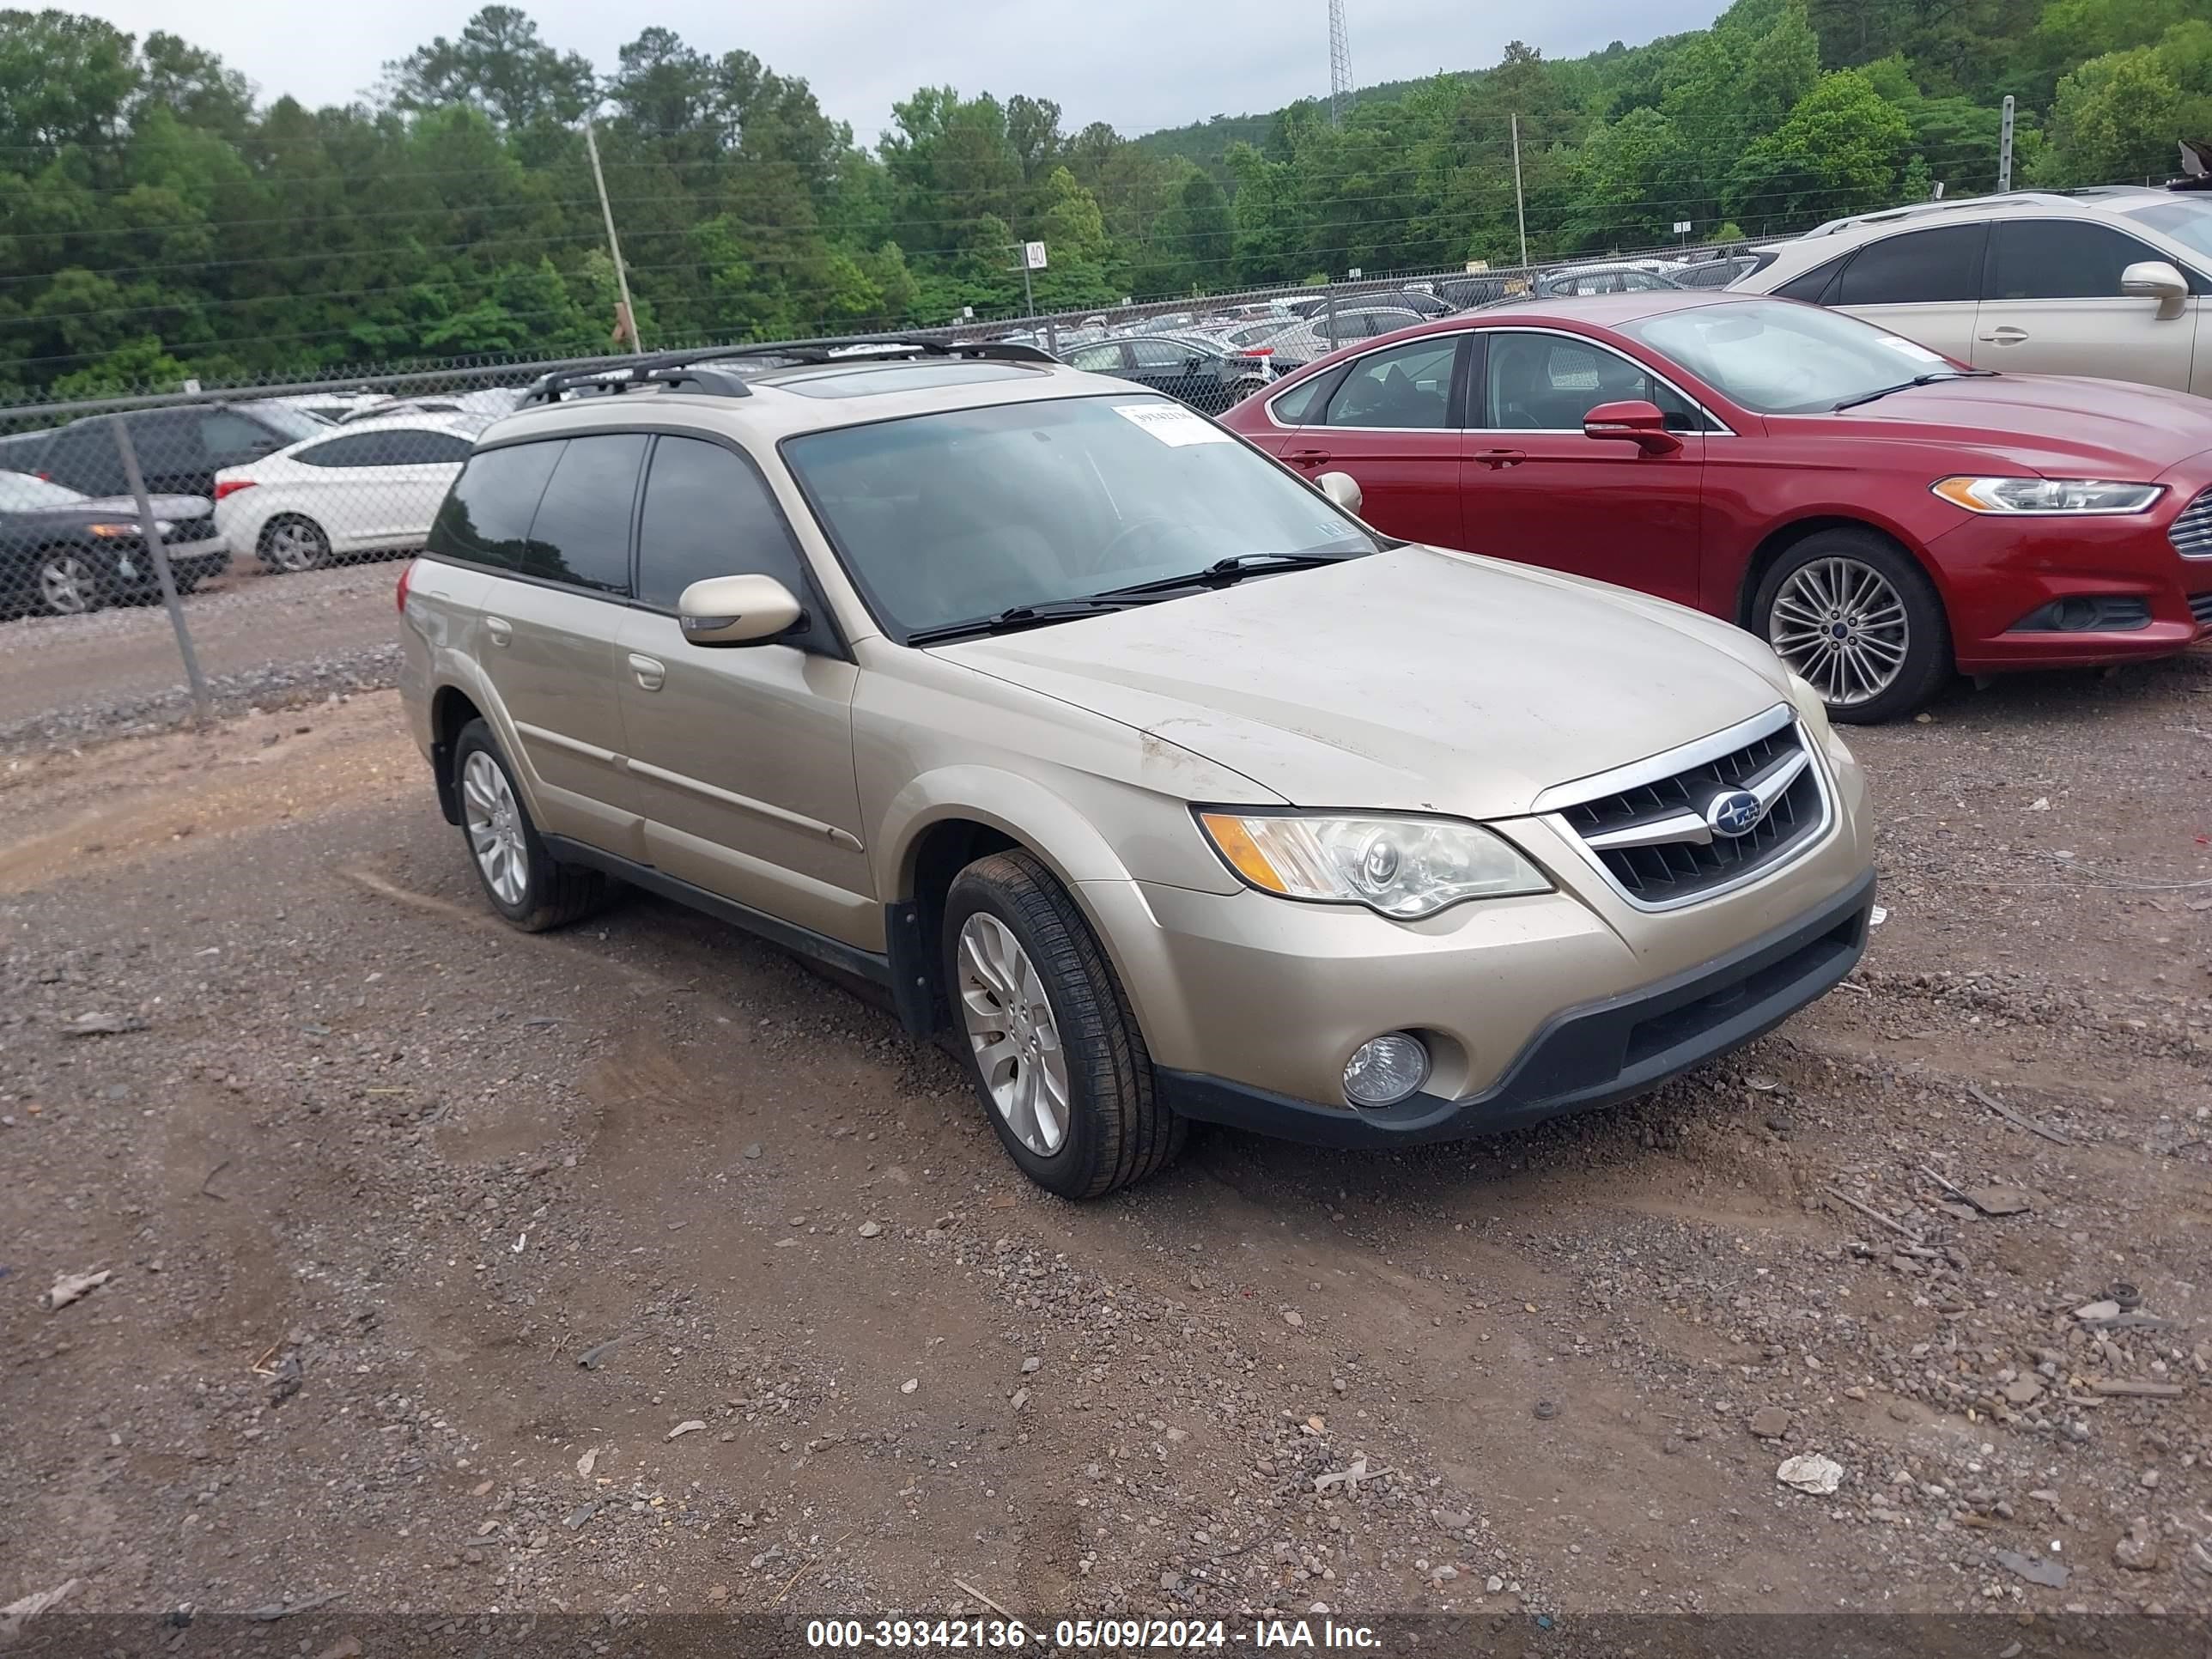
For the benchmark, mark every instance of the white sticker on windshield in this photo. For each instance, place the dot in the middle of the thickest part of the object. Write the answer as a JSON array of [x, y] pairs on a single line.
[[1171, 425], [1918, 353]]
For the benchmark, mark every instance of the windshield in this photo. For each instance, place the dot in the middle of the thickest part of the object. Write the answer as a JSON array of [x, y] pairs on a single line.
[[2189, 223], [21, 493], [945, 518], [1783, 359], [289, 424]]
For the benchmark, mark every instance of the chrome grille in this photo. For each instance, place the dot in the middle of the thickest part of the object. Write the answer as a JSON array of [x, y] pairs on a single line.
[[2191, 534], [2200, 606], [1651, 836]]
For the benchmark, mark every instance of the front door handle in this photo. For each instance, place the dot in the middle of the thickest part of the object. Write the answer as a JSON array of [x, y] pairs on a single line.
[[500, 628], [651, 675], [2006, 335], [1498, 458], [1307, 457]]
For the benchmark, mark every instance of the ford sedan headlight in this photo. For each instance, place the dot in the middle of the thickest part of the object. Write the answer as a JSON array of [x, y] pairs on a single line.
[[2074, 497], [1404, 868]]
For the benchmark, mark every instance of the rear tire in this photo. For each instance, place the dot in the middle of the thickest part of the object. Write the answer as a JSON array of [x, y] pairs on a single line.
[[524, 884], [1047, 1033], [292, 544], [1856, 617]]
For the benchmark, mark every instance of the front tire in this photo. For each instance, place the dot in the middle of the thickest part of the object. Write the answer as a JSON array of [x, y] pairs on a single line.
[[293, 543], [529, 889], [1856, 617], [67, 583], [1050, 1043]]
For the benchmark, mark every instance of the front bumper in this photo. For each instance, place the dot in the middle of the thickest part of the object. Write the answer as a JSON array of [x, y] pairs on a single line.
[[193, 561], [1596, 1054], [1999, 571]]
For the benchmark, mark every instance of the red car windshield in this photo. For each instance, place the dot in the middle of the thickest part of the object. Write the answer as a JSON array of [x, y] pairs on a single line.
[[1777, 358]]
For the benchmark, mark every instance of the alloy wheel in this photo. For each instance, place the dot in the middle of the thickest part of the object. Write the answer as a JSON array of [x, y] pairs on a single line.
[[1014, 1036], [66, 584], [1841, 628], [294, 545], [495, 825]]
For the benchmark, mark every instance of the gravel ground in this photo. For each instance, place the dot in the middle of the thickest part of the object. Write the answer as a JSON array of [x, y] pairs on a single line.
[[261, 639], [636, 1268]]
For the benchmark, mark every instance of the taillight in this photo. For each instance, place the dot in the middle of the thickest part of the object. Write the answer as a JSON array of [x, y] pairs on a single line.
[[1258, 351], [231, 486], [406, 582]]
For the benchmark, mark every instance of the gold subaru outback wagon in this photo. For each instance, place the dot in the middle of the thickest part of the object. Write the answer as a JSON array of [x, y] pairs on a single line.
[[1110, 748]]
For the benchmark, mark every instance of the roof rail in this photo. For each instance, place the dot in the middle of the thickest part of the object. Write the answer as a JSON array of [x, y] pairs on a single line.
[[696, 370]]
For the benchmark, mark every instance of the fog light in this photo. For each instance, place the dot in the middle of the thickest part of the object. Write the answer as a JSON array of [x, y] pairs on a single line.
[[1385, 1070]]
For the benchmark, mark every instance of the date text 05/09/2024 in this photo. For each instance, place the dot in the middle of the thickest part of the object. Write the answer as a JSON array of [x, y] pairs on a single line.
[[1095, 1635]]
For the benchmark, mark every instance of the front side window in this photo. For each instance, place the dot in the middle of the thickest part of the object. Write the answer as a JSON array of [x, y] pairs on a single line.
[[485, 518], [2061, 259], [1548, 383], [1783, 359], [945, 518], [1408, 386], [581, 531], [708, 513], [1921, 267]]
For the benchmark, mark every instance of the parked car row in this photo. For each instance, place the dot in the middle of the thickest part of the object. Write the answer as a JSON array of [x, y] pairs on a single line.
[[269, 480]]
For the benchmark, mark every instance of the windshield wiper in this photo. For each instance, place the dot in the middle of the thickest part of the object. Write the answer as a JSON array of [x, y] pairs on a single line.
[[1222, 571], [1929, 379], [1020, 617]]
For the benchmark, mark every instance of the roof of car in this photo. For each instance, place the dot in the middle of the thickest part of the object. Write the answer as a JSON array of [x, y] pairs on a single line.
[[785, 401], [1605, 310]]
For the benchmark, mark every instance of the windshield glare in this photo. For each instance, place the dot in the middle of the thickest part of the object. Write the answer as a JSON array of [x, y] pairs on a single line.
[[949, 517], [21, 493], [2189, 223], [1777, 358]]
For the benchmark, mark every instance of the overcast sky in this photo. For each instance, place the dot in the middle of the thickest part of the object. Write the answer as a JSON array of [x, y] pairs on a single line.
[[1139, 64]]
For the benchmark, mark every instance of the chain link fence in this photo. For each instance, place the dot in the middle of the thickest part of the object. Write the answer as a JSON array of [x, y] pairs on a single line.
[[275, 509]]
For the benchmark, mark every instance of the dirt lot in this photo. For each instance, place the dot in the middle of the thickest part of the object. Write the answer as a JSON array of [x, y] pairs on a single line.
[[637, 1268]]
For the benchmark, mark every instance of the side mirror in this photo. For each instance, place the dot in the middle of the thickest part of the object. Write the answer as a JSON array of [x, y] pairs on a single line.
[[736, 610], [1342, 489], [1639, 423], [2155, 279]]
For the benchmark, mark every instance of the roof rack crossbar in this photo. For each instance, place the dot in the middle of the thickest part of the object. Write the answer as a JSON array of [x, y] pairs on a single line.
[[691, 370]]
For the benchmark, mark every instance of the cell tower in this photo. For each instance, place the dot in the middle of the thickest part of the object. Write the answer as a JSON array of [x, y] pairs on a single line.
[[1339, 65]]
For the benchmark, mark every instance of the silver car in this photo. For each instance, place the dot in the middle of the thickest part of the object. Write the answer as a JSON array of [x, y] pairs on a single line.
[[1113, 751]]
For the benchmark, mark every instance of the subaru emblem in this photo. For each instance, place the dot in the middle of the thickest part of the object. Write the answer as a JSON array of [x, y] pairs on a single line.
[[1737, 813]]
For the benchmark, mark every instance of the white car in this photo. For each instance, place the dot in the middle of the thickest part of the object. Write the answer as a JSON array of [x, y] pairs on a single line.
[[368, 487]]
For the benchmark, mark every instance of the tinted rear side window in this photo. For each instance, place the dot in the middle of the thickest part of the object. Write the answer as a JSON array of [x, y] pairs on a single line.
[[486, 517], [709, 513], [1815, 285], [2061, 259], [1921, 267], [581, 532], [85, 458]]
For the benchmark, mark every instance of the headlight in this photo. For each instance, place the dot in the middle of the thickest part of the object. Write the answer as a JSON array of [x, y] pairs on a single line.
[[1406, 868], [113, 531], [2078, 497]]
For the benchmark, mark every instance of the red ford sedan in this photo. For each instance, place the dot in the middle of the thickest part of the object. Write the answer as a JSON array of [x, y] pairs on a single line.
[[1881, 515]]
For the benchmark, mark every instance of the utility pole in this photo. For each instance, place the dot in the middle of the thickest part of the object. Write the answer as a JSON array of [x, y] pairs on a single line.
[[1520, 211], [1339, 65], [2004, 149], [614, 245]]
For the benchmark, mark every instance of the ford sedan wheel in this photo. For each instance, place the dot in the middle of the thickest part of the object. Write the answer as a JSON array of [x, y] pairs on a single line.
[[67, 587], [1856, 617]]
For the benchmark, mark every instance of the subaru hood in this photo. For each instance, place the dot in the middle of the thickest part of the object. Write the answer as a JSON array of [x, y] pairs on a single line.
[[1412, 680]]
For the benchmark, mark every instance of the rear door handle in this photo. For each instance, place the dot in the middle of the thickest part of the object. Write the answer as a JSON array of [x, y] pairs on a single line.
[[2005, 336], [1307, 457], [501, 631], [1498, 458], [650, 674]]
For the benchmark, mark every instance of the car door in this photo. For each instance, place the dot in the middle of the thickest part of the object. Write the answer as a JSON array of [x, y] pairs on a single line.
[[1178, 368], [741, 756], [1536, 489], [1924, 284], [550, 521], [333, 482], [1390, 421], [403, 474], [2051, 305]]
